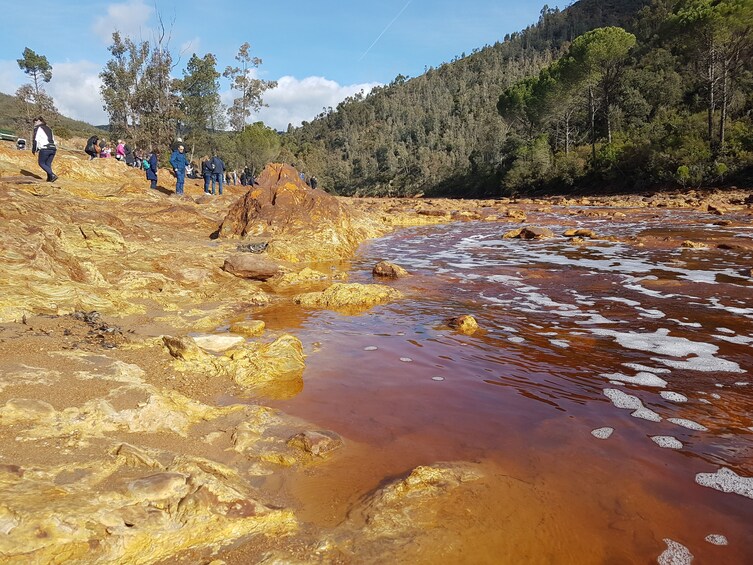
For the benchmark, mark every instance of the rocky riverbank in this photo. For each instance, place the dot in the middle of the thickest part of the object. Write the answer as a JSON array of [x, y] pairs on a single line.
[[128, 317]]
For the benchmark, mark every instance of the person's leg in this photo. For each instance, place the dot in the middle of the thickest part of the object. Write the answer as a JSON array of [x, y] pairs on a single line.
[[214, 179], [220, 178], [44, 161], [179, 183], [154, 183], [206, 183]]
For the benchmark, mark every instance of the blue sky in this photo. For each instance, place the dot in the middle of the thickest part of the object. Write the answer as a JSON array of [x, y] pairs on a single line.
[[320, 52]]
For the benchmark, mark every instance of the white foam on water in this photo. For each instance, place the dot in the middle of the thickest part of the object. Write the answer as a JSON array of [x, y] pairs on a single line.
[[703, 365], [602, 433], [719, 385], [667, 442], [630, 402], [742, 383], [622, 300], [689, 324], [725, 331], [662, 343], [437, 378], [738, 339], [716, 539], [690, 424], [646, 368], [505, 279], [646, 414], [726, 480], [747, 312], [370, 348], [716, 396], [640, 379], [560, 343], [622, 400], [675, 554], [516, 339], [406, 359], [704, 401], [654, 314], [673, 396]]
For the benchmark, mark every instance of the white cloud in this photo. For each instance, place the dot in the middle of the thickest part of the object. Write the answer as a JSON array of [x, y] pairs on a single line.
[[129, 19], [11, 77], [294, 101], [75, 89]]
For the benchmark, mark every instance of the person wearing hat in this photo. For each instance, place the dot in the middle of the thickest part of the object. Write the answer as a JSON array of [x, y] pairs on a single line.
[[45, 144]]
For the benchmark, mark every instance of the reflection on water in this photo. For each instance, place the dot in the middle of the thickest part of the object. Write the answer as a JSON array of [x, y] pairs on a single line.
[[667, 330]]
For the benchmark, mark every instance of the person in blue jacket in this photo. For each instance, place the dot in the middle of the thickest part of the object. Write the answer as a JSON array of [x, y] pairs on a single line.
[[179, 161], [151, 172]]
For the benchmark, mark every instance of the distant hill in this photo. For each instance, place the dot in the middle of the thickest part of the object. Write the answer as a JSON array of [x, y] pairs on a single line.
[[440, 132], [63, 127]]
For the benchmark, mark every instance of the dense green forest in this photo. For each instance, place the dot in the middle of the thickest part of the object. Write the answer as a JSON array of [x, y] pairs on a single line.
[[658, 95]]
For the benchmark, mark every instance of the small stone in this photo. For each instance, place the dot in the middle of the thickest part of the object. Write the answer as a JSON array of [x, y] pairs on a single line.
[[465, 324], [317, 443], [389, 270], [248, 328]]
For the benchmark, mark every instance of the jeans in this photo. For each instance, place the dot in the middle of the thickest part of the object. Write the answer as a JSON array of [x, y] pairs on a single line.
[[45, 161], [217, 177], [154, 183], [180, 179], [207, 178]]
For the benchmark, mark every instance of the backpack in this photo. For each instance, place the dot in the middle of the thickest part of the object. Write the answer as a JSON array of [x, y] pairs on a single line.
[[145, 164]]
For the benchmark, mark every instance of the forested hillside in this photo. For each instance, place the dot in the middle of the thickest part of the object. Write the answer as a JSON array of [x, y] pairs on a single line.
[[12, 117], [640, 119]]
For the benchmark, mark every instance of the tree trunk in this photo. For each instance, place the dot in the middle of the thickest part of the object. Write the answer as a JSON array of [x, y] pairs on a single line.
[[711, 78], [592, 113], [723, 117]]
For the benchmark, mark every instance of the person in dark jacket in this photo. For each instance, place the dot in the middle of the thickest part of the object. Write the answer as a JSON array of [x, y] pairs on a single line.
[[218, 171], [206, 172], [45, 144], [178, 161], [92, 147], [151, 172], [130, 157]]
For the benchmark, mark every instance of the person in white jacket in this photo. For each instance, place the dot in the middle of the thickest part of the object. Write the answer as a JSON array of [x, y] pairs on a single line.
[[45, 144]]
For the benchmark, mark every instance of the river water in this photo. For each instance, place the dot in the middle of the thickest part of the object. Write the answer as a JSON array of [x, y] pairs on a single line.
[[610, 381]]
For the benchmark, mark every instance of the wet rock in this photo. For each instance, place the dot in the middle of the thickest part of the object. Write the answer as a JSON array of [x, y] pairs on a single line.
[[248, 328], [409, 504], [302, 277], [389, 270], [464, 324], [349, 296], [183, 348], [274, 370], [317, 443], [716, 209], [694, 245], [530, 232], [251, 267], [580, 232]]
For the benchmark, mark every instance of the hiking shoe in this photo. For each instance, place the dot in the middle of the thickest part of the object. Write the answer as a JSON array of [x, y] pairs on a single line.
[[53, 178]]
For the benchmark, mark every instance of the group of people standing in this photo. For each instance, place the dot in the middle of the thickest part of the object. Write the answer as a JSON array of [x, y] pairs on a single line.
[[213, 168]]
